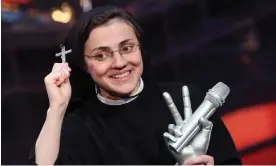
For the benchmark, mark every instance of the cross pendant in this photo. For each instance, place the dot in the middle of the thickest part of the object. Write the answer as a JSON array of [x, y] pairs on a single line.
[[63, 53]]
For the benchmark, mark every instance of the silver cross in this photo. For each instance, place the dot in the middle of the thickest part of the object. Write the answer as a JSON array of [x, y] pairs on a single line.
[[62, 53]]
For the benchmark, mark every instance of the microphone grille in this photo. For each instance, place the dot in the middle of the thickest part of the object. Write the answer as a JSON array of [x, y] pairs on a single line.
[[221, 90]]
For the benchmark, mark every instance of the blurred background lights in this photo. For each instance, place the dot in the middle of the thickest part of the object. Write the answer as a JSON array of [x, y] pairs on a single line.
[[63, 15], [86, 5]]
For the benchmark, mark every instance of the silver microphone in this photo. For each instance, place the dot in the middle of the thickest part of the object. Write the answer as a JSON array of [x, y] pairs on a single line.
[[215, 98]]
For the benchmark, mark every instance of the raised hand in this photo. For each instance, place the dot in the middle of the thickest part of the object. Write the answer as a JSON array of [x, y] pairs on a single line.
[[198, 146], [58, 86]]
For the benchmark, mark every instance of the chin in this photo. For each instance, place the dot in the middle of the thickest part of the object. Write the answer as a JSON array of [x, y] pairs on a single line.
[[124, 90]]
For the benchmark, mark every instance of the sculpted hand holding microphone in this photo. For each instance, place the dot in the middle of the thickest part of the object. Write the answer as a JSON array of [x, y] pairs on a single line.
[[190, 137]]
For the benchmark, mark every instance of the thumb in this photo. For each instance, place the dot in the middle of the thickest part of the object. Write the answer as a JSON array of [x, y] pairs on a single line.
[[202, 139], [206, 125]]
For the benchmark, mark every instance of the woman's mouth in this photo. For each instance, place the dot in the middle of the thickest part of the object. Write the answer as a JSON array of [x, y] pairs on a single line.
[[122, 76]]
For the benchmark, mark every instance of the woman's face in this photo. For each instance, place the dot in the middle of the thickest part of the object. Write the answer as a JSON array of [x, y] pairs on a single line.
[[113, 57]]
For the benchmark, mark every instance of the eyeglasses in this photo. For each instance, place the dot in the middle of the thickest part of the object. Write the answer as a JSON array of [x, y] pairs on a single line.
[[126, 49]]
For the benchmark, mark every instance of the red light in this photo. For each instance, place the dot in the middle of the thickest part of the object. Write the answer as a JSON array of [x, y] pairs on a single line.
[[16, 1]]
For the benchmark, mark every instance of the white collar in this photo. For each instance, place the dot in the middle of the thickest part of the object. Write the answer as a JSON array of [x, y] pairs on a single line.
[[122, 100]]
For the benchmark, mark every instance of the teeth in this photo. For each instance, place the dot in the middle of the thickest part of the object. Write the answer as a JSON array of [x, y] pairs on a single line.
[[122, 75]]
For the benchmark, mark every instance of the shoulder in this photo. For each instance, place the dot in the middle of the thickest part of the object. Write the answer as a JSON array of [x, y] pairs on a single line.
[[73, 127], [76, 145], [75, 138], [74, 123], [222, 146]]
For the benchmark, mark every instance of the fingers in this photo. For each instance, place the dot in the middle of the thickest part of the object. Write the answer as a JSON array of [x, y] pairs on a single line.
[[177, 117], [186, 102], [58, 66], [169, 137], [206, 124], [60, 74], [203, 159], [174, 130], [64, 76]]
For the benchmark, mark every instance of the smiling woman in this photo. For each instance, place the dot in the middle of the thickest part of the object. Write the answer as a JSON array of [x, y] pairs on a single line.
[[121, 117], [112, 58]]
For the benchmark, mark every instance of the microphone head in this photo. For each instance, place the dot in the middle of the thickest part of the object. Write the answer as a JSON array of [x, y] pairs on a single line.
[[219, 93], [221, 90]]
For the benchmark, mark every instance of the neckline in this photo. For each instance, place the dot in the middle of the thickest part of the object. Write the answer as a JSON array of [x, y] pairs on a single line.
[[121, 101]]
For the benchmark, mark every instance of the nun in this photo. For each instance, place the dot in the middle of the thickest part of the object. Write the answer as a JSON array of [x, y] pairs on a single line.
[[104, 109]]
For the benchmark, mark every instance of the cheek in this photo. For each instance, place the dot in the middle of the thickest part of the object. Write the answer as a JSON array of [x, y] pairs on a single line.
[[139, 63], [136, 61], [96, 70]]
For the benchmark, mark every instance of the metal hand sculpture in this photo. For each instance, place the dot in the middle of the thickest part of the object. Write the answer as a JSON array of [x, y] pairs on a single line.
[[199, 143]]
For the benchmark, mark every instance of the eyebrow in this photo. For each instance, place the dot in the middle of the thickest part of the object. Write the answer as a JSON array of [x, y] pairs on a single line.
[[105, 47]]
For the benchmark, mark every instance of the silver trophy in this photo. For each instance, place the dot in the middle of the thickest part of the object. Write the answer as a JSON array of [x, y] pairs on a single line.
[[190, 137]]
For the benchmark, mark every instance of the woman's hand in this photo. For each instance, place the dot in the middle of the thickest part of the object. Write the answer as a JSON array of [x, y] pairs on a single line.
[[200, 160], [58, 87]]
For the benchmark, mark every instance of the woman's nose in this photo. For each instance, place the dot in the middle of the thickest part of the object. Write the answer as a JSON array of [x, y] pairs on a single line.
[[118, 60]]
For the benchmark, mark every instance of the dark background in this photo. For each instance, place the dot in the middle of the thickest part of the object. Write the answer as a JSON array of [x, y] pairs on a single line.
[[192, 41]]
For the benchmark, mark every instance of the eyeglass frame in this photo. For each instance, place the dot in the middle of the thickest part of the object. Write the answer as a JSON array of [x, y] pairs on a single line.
[[111, 53]]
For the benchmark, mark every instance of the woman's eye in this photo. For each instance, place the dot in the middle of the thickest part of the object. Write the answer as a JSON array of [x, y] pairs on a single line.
[[127, 48], [101, 56]]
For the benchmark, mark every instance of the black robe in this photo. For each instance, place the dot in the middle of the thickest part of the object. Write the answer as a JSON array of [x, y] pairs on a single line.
[[94, 133]]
